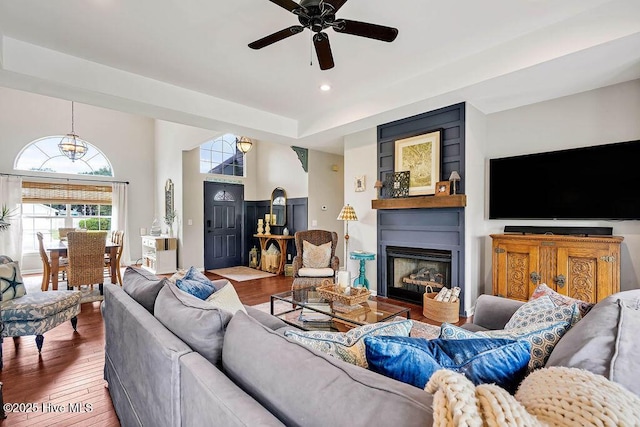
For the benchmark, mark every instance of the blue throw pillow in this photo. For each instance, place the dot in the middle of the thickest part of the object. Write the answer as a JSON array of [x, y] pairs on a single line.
[[196, 284], [414, 360]]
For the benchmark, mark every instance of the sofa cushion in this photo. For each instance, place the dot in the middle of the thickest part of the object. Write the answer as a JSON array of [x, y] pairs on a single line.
[[226, 298], [303, 387], [349, 346], [415, 360], [602, 341], [542, 310], [196, 322], [11, 282], [316, 256], [39, 305], [143, 286], [543, 337], [316, 272], [559, 299]]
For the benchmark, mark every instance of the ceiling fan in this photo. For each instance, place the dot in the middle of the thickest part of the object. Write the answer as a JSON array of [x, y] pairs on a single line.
[[317, 16]]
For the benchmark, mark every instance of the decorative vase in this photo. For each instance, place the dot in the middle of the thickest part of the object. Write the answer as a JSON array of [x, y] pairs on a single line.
[[285, 232]]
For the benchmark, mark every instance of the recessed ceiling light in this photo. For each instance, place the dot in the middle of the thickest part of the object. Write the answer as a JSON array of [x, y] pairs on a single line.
[[325, 87]]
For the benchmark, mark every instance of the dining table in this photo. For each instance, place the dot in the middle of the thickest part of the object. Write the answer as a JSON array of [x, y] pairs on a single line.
[[58, 249]]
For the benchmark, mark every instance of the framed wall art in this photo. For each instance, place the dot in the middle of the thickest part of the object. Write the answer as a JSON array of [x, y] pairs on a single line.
[[397, 184], [420, 155], [359, 183]]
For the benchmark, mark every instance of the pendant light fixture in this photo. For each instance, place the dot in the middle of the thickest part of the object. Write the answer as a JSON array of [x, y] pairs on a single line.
[[71, 145], [244, 144]]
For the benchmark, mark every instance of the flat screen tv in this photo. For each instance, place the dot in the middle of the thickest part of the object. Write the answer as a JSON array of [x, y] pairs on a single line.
[[599, 182]]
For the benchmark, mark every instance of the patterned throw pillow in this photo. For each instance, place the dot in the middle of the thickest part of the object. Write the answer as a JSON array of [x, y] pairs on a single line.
[[543, 337], [543, 310], [226, 299], [559, 299], [316, 256], [196, 284], [11, 281], [349, 346]]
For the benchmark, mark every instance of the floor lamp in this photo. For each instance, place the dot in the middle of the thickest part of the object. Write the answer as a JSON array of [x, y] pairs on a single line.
[[347, 214]]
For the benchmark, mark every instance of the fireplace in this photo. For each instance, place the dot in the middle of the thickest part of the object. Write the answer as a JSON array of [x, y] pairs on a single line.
[[413, 271]]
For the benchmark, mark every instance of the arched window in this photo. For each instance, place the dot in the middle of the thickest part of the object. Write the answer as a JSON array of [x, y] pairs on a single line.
[[221, 156], [223, 196], [43, 155]]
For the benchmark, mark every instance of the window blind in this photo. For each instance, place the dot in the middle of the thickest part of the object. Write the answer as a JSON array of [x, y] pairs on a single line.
[[45, 192]]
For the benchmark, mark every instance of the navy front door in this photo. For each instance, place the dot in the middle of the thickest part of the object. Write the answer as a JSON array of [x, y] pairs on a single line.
[[223, 218]]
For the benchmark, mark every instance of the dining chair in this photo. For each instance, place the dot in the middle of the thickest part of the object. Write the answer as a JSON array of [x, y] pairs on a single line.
[[46, 265], [62, 232], [86, 259], [117, 237]]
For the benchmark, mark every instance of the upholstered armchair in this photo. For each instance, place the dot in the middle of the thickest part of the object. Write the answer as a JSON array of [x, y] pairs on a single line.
[[34, 313], [320, 262]]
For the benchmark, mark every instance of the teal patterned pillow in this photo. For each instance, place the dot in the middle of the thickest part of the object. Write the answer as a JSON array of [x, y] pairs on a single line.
[[11, 281], [543, 310], [543, 337], [349, 346]]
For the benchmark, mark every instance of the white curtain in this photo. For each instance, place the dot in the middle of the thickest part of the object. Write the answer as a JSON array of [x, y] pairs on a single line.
[[11, 197], [119, 218]]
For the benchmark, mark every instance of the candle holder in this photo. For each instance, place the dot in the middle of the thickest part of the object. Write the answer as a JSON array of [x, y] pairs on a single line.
[[260, 230]]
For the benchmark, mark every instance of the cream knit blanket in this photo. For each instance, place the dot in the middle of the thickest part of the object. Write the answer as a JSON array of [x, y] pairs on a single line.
[[553, 396]]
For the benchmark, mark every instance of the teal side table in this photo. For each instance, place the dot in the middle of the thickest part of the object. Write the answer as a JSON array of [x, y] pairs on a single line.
[[363, 257]]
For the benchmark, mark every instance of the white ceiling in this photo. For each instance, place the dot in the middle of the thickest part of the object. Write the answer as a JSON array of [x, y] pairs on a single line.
[[188, 60]]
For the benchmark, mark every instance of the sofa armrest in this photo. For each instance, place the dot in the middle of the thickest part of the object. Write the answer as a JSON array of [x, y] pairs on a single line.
[[494, 312], [268, 320]]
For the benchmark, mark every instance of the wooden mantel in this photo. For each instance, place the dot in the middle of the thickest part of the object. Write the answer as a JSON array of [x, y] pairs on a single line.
[[421, 202]]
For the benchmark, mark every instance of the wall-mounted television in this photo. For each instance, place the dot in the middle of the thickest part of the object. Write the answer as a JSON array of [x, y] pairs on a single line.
[[598, 182]]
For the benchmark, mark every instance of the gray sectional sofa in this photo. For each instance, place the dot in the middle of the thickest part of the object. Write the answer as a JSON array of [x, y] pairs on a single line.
[[261, 378]]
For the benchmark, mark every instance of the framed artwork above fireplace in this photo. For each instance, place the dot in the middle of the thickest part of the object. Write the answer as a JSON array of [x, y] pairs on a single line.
[[420, 155]]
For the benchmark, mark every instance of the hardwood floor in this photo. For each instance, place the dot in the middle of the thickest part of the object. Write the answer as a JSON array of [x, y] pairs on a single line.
[[70, 367]]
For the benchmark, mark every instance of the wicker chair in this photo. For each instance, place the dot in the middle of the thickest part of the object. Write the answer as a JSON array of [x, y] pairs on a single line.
[[86, 259], [62, 232], [303, 277], [46, 265], [118, 238]]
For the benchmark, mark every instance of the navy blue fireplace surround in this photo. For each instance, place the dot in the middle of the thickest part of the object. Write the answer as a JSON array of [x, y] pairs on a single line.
[[439, 229]]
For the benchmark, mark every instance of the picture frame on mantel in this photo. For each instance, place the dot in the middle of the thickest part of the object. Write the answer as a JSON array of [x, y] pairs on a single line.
[[420, 155]]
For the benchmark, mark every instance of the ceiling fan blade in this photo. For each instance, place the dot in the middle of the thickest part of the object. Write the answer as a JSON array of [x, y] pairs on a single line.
[[364, 29], [323, 50], [276, 37], [335, 4], [290, 5]]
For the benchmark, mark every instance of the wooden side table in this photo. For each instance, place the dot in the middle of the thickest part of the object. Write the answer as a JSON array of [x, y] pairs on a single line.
[[283, 242]]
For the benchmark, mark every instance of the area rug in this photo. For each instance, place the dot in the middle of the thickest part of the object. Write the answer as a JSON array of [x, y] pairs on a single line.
[[240, 273], [32, 284]]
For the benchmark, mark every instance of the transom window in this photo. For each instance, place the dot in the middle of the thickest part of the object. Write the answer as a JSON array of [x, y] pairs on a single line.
[[43, 155], [221, 156]]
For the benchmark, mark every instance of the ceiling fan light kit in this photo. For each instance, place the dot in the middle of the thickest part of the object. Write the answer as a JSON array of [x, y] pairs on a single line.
[[317, 16]]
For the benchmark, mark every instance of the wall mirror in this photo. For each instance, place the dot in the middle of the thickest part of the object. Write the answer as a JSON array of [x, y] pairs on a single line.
[[278, 207], [168, 198]]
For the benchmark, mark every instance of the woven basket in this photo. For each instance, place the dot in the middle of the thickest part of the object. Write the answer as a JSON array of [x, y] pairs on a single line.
[[440, 311], [331, 292]]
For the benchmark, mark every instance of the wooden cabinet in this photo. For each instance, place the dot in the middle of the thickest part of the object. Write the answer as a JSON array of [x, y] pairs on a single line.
[[159, 254], [586, 268]]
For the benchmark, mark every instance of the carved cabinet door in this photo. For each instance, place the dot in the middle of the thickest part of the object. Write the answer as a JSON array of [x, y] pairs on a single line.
[[584, 273], [515, 269]]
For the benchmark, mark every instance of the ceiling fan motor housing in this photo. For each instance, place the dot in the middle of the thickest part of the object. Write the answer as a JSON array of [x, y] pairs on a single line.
[[311, 15]]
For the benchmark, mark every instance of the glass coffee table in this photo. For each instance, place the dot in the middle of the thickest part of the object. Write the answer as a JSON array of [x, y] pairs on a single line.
[[305, 309]]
